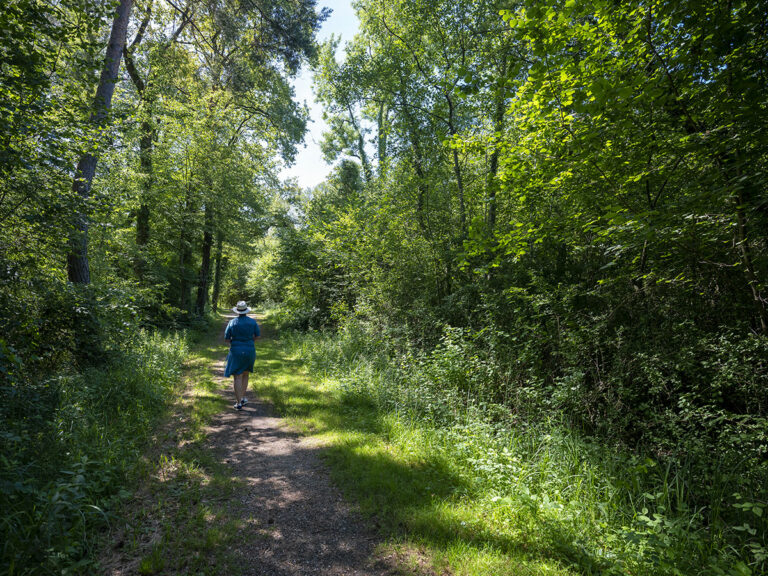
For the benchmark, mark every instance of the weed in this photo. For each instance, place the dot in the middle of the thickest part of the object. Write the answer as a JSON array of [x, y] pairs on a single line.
[[484, 491], [153, 563], [178, 520]]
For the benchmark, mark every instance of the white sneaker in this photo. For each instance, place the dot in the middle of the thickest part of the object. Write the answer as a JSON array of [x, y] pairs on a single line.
[[244, 401]]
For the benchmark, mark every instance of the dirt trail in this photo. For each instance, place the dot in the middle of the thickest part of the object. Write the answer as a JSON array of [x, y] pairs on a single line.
[[296, 522]]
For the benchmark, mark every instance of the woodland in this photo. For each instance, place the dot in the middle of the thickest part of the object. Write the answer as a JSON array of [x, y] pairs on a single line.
[[543, 244]]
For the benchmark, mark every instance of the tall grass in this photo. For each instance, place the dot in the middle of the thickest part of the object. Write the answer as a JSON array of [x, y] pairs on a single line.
[[532, 485], [68, 443]]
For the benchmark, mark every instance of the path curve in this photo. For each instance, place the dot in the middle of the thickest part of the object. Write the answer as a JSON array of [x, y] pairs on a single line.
[[295, 521]]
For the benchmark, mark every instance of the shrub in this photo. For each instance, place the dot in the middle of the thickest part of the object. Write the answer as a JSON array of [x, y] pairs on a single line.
[[67, 443], [691, 502]]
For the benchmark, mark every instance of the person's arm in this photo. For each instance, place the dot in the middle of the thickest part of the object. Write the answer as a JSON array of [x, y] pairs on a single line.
[[256, 332], [228, 335]]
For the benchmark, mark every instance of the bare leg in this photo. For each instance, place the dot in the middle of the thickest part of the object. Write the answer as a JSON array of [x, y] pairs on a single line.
[[238, 386], [244, 383]]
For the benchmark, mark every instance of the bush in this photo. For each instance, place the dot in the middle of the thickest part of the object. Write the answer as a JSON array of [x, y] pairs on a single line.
[[693, 502], [67, 443]]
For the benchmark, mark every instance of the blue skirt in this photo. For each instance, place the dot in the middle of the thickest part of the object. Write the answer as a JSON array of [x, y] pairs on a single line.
[[240, 360]]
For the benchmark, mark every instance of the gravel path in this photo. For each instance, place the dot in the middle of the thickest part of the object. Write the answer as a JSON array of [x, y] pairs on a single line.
[[296, 522]]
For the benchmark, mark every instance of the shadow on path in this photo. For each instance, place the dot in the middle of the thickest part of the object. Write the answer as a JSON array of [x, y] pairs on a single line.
[[295, 521]]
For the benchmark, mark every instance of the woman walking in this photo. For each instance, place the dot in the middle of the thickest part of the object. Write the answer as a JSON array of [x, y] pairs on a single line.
[[241, 333]]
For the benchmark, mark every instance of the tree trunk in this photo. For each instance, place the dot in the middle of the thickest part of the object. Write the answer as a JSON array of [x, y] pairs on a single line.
[[78, 270], [421, 184], [745, 252], [367, 173], [185, 254], [217, 273], [142, 218], [457, 172], [183, 280], [460, 188], [418, 167], [493, 182], [382, 139], [205, 262]]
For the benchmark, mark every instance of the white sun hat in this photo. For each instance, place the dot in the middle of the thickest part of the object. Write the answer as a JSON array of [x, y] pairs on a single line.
[[241, 308]]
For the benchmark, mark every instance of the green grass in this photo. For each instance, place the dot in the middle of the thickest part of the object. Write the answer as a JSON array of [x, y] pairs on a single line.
[[465, 495], [405, 479], [473, 495], [180, 518]]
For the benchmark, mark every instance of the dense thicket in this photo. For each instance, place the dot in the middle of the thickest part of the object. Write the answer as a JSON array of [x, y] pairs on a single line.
[[139, 143], [566, 203]]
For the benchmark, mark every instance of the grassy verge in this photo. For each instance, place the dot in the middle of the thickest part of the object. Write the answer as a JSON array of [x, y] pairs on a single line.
[[68, 444], [460, 489], [180, 517], [405, 477]]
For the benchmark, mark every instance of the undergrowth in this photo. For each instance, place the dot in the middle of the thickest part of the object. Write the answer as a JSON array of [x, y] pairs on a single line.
[[179, 518], [489, 491], [68, 443]]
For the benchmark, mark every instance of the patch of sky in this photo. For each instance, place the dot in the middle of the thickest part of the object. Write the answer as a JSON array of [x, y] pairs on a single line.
[[310, 169]]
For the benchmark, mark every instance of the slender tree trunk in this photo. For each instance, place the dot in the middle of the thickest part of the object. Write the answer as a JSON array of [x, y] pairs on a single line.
[[493, 182], [183, 280], [205, 262], [78, 270], [184, 296], [460, 188], [418, 167], [420, 184], [745, 252], [382, 139], [217, 273], [367, 172], [457, 171], [145, 147], [142, 218], [185, 254]]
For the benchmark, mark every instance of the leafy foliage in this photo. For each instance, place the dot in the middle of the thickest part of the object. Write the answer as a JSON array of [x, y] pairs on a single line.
[[68, 443], [564, 216], [188, 150]]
